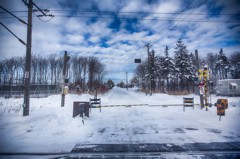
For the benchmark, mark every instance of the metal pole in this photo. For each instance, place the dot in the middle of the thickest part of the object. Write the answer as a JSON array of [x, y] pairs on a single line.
[[27, 74], [127, 80]]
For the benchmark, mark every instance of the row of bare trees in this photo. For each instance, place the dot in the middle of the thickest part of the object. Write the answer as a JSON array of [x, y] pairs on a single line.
[[87, 72], [83, 71]]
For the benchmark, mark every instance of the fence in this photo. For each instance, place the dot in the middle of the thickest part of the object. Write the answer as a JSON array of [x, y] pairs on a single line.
[[36, 90]]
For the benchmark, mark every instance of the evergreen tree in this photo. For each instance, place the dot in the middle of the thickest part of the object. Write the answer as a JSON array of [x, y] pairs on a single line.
[[152, 69], [159, 71], [142, 73], [168, 67], [222, 65], [182, 65], [193, 66], [211, 62], [110, 84], [235, 65]]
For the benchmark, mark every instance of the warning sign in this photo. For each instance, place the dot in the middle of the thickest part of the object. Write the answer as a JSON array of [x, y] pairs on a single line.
[[221, 104]]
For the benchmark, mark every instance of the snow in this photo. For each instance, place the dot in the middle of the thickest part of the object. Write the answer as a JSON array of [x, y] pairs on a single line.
[[51, 128], [233, 84]]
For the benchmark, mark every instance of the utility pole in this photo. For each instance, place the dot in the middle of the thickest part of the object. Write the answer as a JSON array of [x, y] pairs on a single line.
[[197, 60], [148, 45], [197, 73], [66, 59], [27, 73], [127, 80]]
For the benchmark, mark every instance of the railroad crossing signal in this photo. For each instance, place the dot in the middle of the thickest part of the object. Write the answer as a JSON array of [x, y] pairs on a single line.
[[200, 74], [203, 74]]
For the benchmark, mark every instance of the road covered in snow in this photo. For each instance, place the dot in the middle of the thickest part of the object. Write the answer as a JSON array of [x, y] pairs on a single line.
[[50, 128]]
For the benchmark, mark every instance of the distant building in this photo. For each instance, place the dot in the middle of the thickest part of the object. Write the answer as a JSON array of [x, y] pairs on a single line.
[[228, 87]]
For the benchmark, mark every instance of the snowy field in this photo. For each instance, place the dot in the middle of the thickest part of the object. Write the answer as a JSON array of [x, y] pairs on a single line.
[[51, 128]]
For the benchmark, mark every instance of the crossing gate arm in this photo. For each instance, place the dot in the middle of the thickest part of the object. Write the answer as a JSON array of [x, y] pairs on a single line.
[[140, 105], [125, 105]]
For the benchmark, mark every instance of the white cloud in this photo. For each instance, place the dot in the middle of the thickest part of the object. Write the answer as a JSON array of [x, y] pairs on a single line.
[[99, 28], [170, 6], [109, 5], [94, 39], [134, 6], [74, 25], [74, 39]]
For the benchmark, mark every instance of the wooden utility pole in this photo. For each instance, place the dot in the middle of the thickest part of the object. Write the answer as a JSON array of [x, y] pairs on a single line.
[[197, 60], [66, 58], [27, 73], [127, 80], [148, 45]]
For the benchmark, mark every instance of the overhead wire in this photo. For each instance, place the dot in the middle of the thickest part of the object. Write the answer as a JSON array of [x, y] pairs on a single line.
[[38, 16], [22, 21], [168, 26], [137, 15], [156, 36], [140, 16], [191, 13], [13, 34]]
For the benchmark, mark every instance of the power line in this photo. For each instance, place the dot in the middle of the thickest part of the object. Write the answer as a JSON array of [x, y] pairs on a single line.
[[138, 13], [120, 12], [166, 29], [170, 25], [13, 34], [39, 9], [135, 18], [38, 16], [1, 12], [157, 19], [22, 21]]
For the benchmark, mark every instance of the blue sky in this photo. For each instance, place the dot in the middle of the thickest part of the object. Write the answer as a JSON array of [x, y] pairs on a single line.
[[116, 30]]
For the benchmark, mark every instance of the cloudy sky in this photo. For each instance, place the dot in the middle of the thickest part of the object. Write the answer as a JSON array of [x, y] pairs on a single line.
[[117, 30]]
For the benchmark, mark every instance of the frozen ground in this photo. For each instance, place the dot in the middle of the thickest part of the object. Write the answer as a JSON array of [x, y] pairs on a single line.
[[51, 128]]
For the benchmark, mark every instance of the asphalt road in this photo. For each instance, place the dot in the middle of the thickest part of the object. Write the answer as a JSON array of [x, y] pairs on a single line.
[[219, 150]]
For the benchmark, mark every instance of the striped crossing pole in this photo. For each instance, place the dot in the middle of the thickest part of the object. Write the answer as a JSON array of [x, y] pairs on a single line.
[[205, 78]]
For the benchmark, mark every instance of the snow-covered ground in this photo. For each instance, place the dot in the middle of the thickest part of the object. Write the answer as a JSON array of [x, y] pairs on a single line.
[[51, 128]]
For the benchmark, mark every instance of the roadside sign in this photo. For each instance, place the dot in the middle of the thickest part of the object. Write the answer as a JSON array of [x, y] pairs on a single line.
[[221, 104], [137, 61], [80, 108]]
